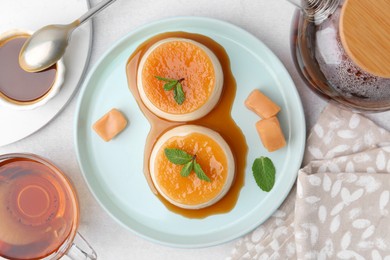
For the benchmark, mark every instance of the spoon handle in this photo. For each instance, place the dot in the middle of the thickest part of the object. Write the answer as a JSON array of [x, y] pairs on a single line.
[[94, 10]]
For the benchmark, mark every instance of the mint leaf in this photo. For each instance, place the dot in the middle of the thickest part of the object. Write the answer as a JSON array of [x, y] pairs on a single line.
[[264, 173], [177, 156], [175, 93], [200, 173], [164, 79], [185, 172], [180, 157], [179, 94], [170, 85], [175, 85]]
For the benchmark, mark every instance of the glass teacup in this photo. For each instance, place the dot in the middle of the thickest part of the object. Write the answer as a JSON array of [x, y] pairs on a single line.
[[39, 211]]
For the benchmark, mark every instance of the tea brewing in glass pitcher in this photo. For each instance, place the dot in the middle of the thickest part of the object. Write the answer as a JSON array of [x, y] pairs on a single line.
[[327, 51]]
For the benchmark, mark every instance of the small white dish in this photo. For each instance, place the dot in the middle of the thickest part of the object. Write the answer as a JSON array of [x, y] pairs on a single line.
[[18, 124], [54, 89]]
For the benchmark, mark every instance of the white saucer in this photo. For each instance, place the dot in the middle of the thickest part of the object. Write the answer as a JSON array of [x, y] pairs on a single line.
[[31, 15]]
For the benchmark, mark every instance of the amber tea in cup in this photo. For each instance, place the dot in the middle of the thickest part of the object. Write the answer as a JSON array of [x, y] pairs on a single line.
[[39, 211]]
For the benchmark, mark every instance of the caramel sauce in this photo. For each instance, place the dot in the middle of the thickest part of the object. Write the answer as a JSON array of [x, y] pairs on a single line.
[[17, 85], [219, 119]]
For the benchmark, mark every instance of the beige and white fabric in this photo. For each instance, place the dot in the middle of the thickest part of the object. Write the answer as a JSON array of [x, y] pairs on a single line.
[[340, 207]]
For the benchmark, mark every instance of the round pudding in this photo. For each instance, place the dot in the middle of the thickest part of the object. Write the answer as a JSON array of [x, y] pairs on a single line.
[[209, 150], [191, 64]]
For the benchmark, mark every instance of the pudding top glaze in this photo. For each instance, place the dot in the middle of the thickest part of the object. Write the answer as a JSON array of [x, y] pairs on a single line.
[[211, 152], [218, 119], [194, 65]]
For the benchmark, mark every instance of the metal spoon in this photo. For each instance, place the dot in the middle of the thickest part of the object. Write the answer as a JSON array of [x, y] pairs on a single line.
[[47, 45]]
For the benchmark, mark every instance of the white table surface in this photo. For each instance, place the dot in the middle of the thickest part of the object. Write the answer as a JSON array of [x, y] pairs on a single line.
[[269, 20]]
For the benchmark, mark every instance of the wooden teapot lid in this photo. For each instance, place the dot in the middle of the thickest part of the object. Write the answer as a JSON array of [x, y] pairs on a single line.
[[365, 34]]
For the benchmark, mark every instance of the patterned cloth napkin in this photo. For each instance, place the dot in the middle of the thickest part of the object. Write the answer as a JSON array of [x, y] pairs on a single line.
[[339, 208]]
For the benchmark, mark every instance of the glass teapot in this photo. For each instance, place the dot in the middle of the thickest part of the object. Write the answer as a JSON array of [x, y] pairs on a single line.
[[324, 64]]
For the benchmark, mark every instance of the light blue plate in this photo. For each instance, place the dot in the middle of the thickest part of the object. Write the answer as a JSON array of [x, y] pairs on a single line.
[[113, 170]]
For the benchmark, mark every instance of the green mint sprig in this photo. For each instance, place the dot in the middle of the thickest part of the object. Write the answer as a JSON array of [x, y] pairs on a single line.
[[180, 157], [264, 172], [175, 85]]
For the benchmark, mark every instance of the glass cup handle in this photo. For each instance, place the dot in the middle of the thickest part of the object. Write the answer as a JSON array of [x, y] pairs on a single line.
[[81, 249]]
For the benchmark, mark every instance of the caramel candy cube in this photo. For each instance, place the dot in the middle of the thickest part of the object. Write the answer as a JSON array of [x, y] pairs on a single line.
[[271, 134], [261, 104], [110, 125]]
